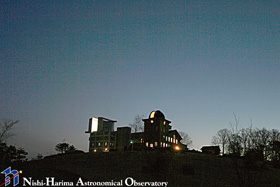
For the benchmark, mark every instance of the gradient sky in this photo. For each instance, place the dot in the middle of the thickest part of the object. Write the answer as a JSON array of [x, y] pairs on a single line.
[[197, 61]]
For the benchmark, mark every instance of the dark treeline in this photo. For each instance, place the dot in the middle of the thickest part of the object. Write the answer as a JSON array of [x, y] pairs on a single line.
[[253, 143]]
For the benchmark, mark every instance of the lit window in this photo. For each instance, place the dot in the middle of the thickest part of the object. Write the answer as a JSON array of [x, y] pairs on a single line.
[[106, 143], [166, 138], [99, 144], [155, 144], [176, 141], [94, 124], [171, 140], [164, 122], [163, 145], [147, 144], [151, 145], [141, 140], [152, 114], [160, 144]]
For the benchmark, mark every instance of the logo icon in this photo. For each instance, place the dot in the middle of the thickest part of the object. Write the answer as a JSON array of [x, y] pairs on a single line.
[[8, 173]]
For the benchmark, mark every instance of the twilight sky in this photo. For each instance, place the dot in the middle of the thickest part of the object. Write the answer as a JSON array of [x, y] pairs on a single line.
[[197, 61]]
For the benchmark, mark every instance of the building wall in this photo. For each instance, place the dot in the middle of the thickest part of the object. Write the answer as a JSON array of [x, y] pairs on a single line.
[[123, 138], [104, 138]]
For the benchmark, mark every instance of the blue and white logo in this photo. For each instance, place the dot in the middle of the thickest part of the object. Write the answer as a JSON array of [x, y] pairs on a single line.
[[9, 175]]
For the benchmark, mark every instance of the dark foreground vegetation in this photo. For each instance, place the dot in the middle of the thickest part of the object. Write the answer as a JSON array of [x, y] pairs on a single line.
[[178, 169]]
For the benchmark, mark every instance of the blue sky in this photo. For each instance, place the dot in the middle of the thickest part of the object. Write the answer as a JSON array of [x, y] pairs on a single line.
[[63, 62]]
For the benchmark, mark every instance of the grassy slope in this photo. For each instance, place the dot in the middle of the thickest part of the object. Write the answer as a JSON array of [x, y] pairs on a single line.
[[202, 170]]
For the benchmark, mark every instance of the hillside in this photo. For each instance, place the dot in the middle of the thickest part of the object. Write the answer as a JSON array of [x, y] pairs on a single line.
[[178, 169]]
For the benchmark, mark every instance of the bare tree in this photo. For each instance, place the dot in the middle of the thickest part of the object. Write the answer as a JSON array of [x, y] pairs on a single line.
[[221, 138], [234, 125], [5, 129], [137, 125], [186, 139], [234, 139], [245, 135]]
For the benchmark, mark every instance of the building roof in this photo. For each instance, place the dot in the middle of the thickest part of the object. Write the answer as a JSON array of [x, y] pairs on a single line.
[[171, 132], [106, 119], [156, 115], [210, 147]]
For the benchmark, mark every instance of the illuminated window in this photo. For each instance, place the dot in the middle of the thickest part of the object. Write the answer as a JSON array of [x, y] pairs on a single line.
[[99, 144], [171, 140], [106, 143], [147, 144], [155, 144], [94, 124], [151, 145], [152, 115], [163, 145], [160, 144], [141, 140], [164, 122], [176, 141], [166, 138]]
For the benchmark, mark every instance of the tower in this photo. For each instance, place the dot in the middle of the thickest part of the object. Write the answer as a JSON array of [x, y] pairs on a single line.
[[156, 130], [102, 134]]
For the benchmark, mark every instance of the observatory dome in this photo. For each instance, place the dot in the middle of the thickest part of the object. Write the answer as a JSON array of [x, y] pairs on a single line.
[[156, 115]]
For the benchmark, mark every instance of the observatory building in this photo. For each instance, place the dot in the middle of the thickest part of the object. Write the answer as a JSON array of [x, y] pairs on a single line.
[[157, 135]]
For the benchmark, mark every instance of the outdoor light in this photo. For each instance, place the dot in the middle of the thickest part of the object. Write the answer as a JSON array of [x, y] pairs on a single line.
[[177, 148], [94, 150]]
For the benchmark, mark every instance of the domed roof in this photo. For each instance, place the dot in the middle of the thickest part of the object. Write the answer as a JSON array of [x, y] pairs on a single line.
[[156, 115]]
